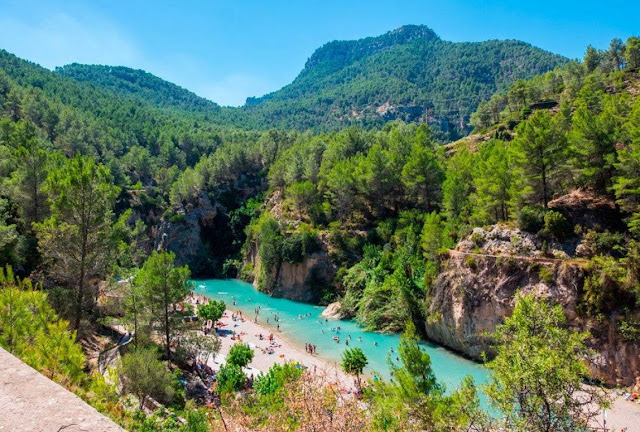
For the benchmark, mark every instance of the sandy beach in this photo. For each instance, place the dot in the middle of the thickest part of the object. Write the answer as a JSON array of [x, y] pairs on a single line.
[[247, 331]]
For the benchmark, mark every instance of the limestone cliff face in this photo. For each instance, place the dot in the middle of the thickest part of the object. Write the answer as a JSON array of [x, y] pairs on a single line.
[[478, 288], [301, 281], [182, 234], [298, 281]]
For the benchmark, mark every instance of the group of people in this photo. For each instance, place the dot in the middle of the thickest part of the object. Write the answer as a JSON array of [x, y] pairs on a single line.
[[311, 349]]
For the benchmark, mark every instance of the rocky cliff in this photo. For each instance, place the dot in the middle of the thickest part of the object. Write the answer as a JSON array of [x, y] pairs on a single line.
[[192, 232], [478, 288], [302, 281]]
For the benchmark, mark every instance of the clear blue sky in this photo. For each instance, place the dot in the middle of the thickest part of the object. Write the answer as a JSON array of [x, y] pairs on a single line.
[[228, 50]]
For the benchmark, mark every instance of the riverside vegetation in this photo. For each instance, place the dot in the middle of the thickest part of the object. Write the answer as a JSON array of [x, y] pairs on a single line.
[[96, 175]]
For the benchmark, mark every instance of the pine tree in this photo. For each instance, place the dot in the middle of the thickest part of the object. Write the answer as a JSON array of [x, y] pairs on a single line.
[[77, 239], [539, 151]]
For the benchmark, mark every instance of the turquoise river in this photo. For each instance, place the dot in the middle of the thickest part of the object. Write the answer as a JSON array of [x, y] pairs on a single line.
[[301, 323]]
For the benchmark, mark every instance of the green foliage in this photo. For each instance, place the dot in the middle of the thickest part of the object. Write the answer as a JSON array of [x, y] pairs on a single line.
[[240, 355], [604, 287], [164, 284], [353, 362], [556, 225], [31, 330], [531, 219], [78, 238], [230, 379], [538, 369], [539, 151], [276, 379], [269, 240], [144, 376], [212, 311]]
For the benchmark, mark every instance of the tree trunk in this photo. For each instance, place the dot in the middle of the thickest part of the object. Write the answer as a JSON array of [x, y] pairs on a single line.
[[166, 317]]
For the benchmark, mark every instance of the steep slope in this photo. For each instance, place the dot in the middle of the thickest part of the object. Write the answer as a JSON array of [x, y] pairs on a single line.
[[408, 73], [136, 82]]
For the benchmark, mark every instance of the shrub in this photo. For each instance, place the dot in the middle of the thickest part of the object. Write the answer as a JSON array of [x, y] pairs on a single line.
[[471, 262], [545, 274], [531, 219], [276, 378], [230, 379], [240, 355], [297, 245], [145, 376], [604, 286], [556, 225]]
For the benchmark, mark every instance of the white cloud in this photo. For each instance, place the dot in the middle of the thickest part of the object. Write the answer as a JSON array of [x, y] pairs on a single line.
[[59, 39]]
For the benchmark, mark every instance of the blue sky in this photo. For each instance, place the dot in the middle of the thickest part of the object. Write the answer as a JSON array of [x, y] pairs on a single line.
[[229, 50]]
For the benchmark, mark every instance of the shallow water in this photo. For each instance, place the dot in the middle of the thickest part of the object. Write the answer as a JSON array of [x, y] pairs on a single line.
[[301, 323]]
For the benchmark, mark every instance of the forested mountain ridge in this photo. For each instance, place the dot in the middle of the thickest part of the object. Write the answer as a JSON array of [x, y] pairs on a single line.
[[136, 82], [408, 73]]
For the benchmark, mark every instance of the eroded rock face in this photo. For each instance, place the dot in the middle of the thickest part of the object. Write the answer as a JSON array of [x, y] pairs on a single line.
[[302, 281], [333, 311], [182, 234], [476, 291]]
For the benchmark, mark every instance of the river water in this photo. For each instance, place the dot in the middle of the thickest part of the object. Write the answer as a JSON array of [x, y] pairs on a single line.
[[301, 323]]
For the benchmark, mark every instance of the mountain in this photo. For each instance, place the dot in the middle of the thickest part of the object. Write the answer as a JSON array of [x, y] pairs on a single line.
[[138, 83], [408, 73]]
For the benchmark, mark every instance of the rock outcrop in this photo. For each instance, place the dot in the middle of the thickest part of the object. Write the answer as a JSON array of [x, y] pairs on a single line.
[[333, 311], [182, 234], [479, 285], [303, 281]]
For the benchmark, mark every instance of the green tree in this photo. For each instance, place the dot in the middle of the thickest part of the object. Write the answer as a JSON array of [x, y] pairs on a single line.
[[538, 373], [539, 151], [230, 379], [354, 362], [212, 311], [144, 376], [494, 181], [78, 237], [627, 183], [31, 157], [31, 330], [422, 176], [615, 53], [240, 355], [632, 52], [592, 59], [135, 309], [593, 137], [164, 285]]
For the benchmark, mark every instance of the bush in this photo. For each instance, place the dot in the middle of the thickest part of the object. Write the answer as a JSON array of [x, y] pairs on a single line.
[[531, 219], [471, 262], [230, 379], [145, 376], [276, 378], [545, 274], [556, 225], [297, 245], [240, 355]]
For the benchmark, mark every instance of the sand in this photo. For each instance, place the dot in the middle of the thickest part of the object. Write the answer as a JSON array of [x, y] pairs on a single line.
[[622, 414], [284, 350]]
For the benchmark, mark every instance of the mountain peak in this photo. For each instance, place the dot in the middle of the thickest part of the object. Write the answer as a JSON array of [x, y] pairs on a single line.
[[336, 54]]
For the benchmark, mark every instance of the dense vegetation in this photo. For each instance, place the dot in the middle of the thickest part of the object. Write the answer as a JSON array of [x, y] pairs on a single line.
[[408, 74], [92, 172]]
